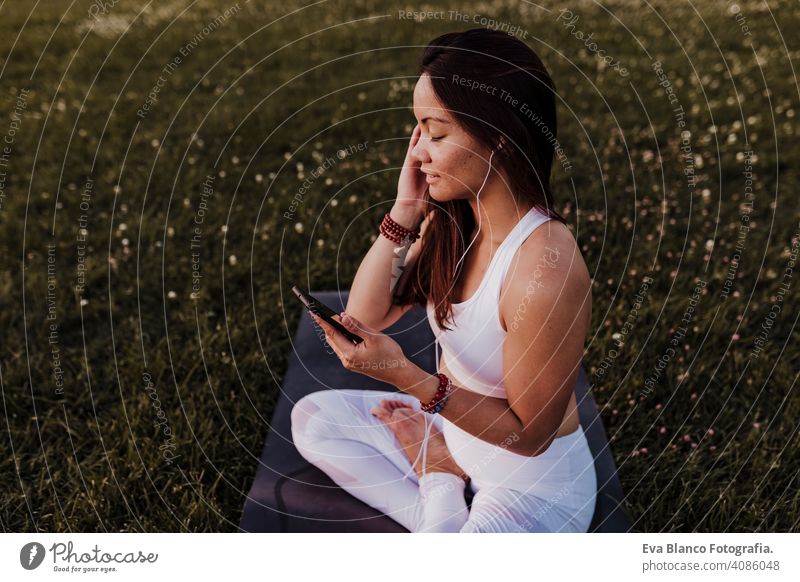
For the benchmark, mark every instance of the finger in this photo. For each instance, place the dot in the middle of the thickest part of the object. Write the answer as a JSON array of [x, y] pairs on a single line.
[[337, 340], [335, 347], [348, 322], [354, 325], [327, 327], [316, 320], [415, 135], [330, 333]]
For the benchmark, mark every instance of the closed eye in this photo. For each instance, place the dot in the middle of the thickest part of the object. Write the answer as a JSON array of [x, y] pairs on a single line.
[[437, 138]]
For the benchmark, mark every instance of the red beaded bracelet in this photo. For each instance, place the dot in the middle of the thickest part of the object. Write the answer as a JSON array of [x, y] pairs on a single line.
[[396, 233], [436, 404]]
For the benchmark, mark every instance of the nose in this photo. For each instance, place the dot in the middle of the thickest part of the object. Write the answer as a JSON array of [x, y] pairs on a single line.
[[420, 150]]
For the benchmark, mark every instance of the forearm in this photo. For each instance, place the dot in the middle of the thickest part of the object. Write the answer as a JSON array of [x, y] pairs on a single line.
[[489, 419], [371, 293]]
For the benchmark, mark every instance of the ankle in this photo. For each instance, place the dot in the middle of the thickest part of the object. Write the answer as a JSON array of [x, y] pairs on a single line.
[[452, 470]]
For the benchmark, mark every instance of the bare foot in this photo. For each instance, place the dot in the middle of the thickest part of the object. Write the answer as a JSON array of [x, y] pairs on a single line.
[[408, 425]]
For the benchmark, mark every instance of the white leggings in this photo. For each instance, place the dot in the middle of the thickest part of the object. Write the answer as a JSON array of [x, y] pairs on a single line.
[[552, 492]]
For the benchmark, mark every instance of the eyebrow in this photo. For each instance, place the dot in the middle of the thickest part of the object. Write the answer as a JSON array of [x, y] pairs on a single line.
[[439, 119]]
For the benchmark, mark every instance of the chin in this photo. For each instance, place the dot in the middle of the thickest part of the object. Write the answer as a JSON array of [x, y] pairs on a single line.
[[436, 193], [443, 194]]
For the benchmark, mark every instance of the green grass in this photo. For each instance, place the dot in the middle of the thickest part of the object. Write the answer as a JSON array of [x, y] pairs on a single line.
[[261, 97]]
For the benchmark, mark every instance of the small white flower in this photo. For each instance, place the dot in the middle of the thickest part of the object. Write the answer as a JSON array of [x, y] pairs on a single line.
[[232, 260], [172, 295], [298, 226]]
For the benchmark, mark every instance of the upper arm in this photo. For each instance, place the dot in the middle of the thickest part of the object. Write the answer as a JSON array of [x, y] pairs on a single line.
[[547, 308], [397, 311]]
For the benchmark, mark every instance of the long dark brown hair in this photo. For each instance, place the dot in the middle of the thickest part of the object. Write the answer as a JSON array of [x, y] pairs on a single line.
[[528, 126]]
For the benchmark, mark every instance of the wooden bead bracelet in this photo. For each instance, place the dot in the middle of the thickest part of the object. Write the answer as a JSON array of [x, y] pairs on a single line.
[[436, 404], [396, 233]]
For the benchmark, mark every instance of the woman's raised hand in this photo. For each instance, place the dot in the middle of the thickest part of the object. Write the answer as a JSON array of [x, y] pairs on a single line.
[[412, 186]]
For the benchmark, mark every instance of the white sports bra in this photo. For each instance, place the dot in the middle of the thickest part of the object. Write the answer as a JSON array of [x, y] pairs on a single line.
[[473, 348]]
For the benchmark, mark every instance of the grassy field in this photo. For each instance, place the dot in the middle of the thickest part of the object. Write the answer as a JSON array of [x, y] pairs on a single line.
[[148, 143]]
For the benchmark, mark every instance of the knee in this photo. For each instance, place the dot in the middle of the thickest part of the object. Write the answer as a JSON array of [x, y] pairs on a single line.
[[303, 413]]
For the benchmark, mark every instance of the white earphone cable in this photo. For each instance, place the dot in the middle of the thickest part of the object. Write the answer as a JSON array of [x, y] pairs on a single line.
[[424, 449]]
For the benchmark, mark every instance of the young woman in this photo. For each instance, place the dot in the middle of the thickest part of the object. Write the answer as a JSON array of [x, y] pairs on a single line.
[[508, 296]]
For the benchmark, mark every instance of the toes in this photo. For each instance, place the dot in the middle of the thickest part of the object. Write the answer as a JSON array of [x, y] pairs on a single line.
[[401, 413], [394, 404], [381, 413], [406, 417]]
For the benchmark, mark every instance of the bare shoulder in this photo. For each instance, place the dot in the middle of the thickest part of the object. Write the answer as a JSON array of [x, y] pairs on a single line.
[[548, 268], [553, 243]]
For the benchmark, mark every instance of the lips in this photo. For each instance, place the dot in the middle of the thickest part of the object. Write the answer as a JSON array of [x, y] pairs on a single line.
[[430, 176]]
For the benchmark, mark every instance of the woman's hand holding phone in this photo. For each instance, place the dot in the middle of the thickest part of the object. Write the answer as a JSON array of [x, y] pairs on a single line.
[[412, 188], [378, 356]]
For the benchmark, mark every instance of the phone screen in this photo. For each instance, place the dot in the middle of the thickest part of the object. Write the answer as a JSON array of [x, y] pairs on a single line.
[[316, 306]]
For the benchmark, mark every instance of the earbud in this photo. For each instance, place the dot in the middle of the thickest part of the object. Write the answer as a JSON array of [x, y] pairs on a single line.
[[501, 144]]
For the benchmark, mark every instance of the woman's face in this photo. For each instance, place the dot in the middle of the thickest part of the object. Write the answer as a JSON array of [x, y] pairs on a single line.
[[455, 163]]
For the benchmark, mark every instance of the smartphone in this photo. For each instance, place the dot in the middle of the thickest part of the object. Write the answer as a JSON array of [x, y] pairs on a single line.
[[318, 307]]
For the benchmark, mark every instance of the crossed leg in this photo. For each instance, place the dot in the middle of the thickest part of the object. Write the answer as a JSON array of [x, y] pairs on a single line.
[[337, 431]]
